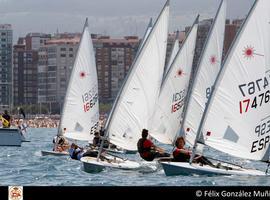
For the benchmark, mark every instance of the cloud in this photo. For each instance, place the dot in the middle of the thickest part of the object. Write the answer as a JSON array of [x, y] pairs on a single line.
[[116, 18]]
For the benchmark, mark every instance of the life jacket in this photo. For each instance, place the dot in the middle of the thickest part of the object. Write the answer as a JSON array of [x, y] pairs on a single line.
[[145, 152], [140, 146], [180, 157], [75, 154], [5, 121], [97, 141]]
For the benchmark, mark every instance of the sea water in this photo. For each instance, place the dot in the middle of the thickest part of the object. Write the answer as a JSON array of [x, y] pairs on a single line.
[[25, 166]]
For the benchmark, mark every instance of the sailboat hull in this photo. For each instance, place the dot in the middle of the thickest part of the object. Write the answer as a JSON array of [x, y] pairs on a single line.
[[183, 168], [120, 151], [54, 153], [90, 164], [11, 137]]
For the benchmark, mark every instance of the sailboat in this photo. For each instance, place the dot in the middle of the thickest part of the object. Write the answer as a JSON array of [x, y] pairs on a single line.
[[235, 120], [80, 114], [135, 102], [168, 113], [207, 70], [146, 34], [208, 67]]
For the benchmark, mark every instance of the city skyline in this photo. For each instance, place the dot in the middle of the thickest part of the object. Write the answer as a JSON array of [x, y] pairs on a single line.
[[117, 18]]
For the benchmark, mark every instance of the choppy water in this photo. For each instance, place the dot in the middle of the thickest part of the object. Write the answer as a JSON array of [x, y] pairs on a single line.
[[25, 166]]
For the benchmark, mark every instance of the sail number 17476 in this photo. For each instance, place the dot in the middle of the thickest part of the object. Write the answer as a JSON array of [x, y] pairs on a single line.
[[259, 100], [251, 88]]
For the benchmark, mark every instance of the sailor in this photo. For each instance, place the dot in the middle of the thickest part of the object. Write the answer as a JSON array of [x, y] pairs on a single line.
[[76, 152], [148, 151], [181, 154], [60, 143], [6, 121], [96, 139], [22, 127], [98, 136]]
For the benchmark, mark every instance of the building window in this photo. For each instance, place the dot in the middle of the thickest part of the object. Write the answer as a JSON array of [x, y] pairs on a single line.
[[63, 55]]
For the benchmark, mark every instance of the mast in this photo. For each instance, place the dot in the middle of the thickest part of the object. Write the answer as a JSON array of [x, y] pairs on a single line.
[[163, 116], [179, 51], [146, 34], [126, 81], [130, 71], [218, 78], [192, 81]]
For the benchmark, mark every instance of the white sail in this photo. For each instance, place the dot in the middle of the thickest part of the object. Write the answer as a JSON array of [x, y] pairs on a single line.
[[168, 113], [175, 49], [208, 68], [135, 102], [80, 113], [237, 120]]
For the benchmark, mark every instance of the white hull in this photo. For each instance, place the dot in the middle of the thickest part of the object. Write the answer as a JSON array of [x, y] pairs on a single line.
[[90, 164], [115, 150], [120, 151], [54, 153], [183, 168], [11, 137]]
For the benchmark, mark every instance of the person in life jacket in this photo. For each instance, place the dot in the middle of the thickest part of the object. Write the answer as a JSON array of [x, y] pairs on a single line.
[[148, 151], [6, 121], [98, 136], [76, 153], [60, 143], [181, 154]]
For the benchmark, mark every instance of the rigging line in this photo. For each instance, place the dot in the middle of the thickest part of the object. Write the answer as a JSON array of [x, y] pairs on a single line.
[[224, 161]]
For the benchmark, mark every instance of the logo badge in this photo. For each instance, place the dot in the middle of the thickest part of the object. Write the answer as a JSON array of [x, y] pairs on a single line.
[[15, 193]]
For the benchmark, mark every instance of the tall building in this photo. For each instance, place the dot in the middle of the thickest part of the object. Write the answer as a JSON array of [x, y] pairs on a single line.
[[24, 75], [203, 30], [170, 42], [231, 30], [25, 61], [6, 32], [56, 59], [114, 57], [34, 41]]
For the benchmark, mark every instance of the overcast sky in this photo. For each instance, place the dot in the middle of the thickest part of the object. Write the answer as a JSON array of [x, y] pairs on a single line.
[[111, 17]]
